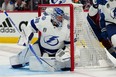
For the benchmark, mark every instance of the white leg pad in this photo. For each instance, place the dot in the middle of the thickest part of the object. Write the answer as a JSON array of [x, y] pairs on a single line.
[[22, 39], [35, 65], [14, 60]]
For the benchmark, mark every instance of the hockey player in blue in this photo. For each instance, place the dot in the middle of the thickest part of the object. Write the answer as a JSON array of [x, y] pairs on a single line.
[[55, 36], [102, 19]]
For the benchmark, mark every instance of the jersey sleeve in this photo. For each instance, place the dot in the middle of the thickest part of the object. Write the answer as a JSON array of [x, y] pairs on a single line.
[[39, 22], [34, 24]]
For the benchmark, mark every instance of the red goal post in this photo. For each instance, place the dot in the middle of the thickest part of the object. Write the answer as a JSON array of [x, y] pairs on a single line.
[[71, 7]]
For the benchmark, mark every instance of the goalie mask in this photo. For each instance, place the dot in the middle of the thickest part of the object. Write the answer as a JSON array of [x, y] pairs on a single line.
[[57, 17], [57, 1]]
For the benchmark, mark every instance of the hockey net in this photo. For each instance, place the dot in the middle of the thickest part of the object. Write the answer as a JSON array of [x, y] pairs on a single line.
[[87, 52]]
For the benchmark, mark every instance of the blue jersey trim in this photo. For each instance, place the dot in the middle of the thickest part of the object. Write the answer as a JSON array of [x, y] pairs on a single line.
[[33, 25]]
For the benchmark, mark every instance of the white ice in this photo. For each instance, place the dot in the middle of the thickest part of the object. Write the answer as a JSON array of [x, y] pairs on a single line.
[[7, 50]]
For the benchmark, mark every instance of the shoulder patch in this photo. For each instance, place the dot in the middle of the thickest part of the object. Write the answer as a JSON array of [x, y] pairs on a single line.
[[44, 17], [44, 29], [36, 20]]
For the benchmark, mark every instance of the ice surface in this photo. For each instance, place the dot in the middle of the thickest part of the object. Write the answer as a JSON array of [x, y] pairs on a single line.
[[7, 50]]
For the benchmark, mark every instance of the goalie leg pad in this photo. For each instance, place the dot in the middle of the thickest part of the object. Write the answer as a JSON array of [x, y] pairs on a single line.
[[15, 63], [26, 35], [26, 53], [49, 64], [46, 66], [22, 58], [22, 40]]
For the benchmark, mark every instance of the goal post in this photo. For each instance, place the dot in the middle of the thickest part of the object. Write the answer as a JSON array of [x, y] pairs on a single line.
[[71, 14]]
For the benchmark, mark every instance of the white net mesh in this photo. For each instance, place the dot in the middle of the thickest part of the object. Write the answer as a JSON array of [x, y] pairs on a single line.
[[91, 53]]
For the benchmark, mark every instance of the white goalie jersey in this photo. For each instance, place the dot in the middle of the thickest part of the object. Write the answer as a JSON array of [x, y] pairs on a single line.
[[51, 37]]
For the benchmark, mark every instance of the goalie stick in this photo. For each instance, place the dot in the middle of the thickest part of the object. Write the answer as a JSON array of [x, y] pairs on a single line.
[[29, 45]]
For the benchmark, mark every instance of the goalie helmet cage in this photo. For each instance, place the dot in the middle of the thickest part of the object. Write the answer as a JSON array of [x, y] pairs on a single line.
[[91, 53]]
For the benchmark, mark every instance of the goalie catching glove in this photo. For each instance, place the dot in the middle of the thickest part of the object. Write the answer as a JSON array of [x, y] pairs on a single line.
[[63, 55]]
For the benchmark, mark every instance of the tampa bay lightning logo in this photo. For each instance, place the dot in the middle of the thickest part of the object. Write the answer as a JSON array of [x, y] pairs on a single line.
[[58, 1], [51, 40]]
